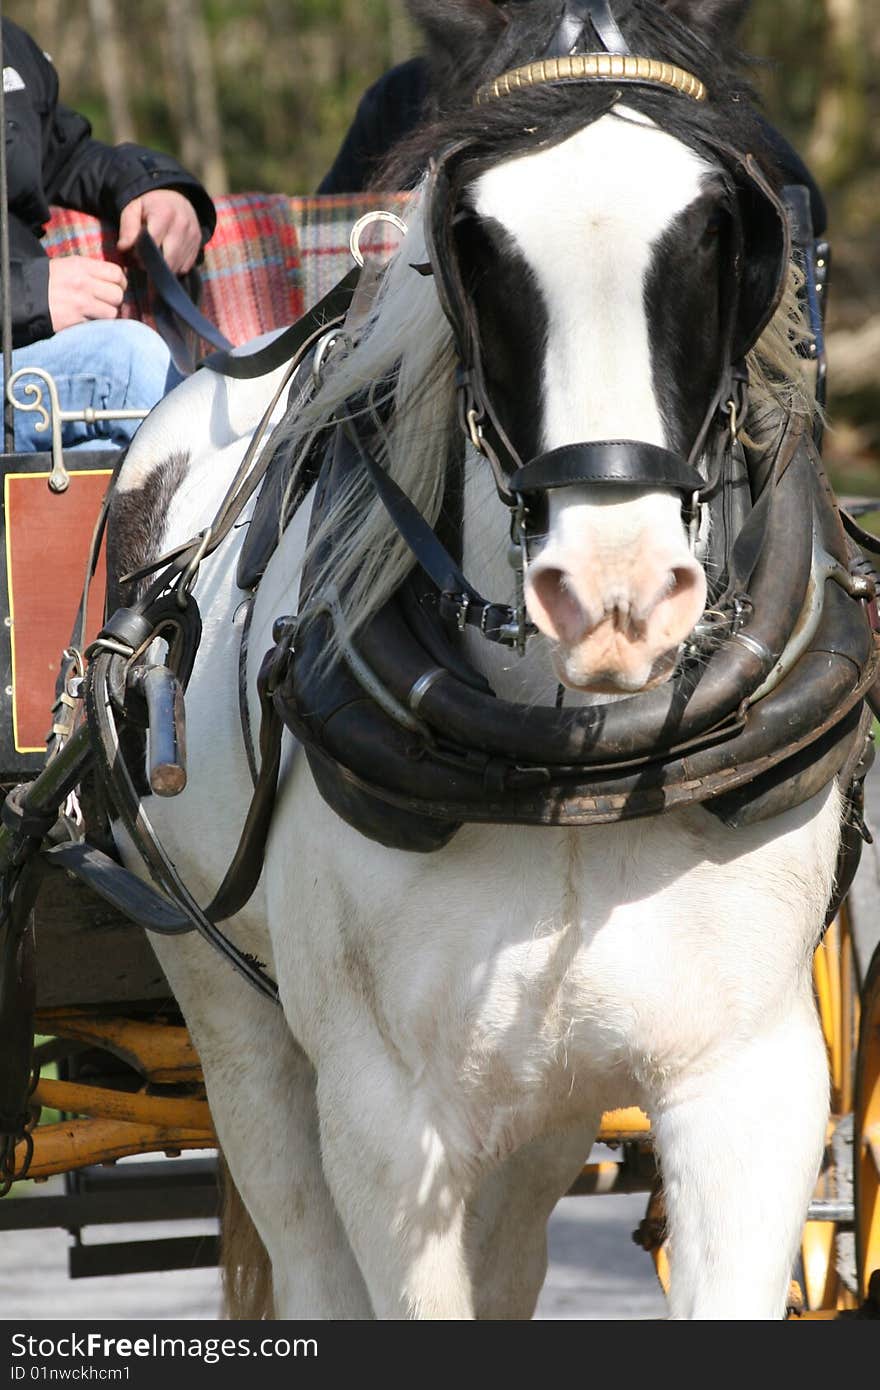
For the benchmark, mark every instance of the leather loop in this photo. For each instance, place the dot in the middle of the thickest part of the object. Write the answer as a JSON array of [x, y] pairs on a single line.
[[630, 462], [575, 18]]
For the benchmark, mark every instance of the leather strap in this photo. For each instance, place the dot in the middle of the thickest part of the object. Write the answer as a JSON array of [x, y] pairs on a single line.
[[174, 296], [116, 779], [575, 17], [117, 886], [866, 539], [627, 461], [459, 600], [294, 341]]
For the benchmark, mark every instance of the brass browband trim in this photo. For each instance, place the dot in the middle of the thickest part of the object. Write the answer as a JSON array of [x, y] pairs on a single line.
[[580, 67]]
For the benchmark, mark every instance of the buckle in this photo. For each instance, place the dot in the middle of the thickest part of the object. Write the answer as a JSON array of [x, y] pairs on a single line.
[[475, 429], [464, 604]]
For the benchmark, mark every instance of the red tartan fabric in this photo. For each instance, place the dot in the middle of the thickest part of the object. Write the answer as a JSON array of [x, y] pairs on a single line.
[[269, 260], [251, 279]]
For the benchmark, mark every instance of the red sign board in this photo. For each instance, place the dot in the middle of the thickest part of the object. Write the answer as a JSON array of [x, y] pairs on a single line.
[[48, 535]]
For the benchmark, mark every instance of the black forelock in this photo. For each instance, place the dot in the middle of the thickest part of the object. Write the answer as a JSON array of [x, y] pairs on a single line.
[[540, 116]]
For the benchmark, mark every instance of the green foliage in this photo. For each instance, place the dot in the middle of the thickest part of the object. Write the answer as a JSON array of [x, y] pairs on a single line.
[[288, 73]]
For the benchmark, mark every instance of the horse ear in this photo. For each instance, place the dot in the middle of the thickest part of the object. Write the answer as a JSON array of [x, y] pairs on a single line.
[[458, 31], [711, 19]]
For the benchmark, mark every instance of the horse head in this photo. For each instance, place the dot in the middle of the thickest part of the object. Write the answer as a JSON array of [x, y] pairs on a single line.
[[601, 284], [607, 246]]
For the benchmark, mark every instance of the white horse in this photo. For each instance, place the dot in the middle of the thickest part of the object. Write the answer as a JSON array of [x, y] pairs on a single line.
[[454, 1024]]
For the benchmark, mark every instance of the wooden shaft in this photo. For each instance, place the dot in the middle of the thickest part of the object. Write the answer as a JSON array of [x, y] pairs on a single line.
[[620, 1125], [80, 1143], [101, 1103], [161, 1052]]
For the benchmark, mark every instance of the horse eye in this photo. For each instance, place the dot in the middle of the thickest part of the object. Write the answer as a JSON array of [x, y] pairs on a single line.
[[713, 226]]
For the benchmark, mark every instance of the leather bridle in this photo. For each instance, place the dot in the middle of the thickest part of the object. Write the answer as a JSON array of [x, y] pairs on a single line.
[[521, 484]]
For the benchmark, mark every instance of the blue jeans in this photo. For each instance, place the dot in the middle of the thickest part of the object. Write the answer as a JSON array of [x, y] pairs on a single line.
[[107, 364]]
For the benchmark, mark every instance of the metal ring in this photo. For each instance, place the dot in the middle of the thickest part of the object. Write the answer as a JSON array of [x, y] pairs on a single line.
[[421, 686], [324, 347], [354, 240], [753, 645]]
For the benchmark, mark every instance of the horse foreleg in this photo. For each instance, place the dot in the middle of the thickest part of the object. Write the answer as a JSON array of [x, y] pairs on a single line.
[[401, 1202], [261, 1090], [507, 1220], [740, 1145]]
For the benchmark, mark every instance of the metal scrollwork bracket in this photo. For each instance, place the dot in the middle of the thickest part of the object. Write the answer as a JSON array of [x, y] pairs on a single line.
[[53, 417]]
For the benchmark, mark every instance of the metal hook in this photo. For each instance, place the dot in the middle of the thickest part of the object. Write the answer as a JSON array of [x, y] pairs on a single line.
[[734, 422], [189, 574], [475, 429], [360, 226]]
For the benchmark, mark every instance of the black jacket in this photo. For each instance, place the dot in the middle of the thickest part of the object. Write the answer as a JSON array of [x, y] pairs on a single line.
[[52, 158], [394, 105], [387, 111]]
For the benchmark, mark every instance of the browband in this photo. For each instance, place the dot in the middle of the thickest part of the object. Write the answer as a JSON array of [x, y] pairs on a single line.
[[590, 67]]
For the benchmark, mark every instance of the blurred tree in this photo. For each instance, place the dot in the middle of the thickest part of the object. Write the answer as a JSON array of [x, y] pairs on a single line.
[[193, 92], [111, 67], [820, 81]]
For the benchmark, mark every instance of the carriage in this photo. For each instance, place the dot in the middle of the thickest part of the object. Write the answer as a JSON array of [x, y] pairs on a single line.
[[104, 1009]]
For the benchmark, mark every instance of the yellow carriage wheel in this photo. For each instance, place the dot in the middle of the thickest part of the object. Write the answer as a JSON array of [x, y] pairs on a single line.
[[837, 998], [867, 1134]]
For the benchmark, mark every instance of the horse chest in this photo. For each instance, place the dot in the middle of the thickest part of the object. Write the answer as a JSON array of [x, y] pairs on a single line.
[[521, 972]]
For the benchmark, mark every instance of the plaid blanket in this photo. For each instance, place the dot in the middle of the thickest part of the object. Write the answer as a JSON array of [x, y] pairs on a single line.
[[269, 260]]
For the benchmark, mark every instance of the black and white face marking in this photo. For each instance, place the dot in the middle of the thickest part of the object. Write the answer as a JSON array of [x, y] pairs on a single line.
[[600, 321], [604, 286], [683, 307], [513, 325]]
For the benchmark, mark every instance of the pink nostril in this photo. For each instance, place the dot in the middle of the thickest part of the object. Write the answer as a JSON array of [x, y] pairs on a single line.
[[681, 604], [554, 607], [684, 579]]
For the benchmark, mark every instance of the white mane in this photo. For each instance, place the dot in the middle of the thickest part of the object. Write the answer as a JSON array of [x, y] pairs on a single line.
[[406, 331]]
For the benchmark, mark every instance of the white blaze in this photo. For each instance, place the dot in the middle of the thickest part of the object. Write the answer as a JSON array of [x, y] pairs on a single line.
[[606, 194]]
